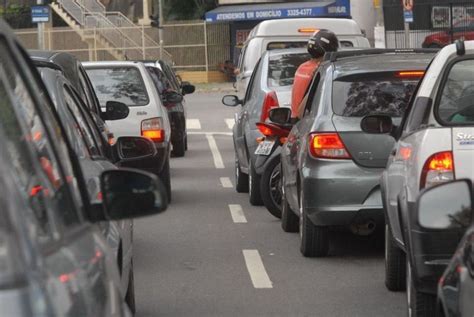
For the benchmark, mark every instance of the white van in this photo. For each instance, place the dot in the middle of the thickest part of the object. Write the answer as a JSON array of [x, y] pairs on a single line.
[[291, 33]]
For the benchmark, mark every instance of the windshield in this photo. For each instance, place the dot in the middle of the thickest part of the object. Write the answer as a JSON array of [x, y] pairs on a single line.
[[361, 96], [123, 84], [282, 68], [456, 105]]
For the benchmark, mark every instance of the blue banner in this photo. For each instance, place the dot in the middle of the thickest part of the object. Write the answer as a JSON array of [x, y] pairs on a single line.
[[338, 8], [39, 14]]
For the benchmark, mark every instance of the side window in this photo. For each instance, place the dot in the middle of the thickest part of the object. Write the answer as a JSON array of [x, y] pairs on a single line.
[[89, 98], [81, 125], [316, 91], [47, 182], [250, 88]]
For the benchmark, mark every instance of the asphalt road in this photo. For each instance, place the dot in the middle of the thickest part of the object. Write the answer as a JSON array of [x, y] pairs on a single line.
[[203, 257]]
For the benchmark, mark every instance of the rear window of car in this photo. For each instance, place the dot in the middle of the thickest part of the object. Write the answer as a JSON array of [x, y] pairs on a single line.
[[456, 105], [285, 45], [282, 68], [361, 95], [123, 84]]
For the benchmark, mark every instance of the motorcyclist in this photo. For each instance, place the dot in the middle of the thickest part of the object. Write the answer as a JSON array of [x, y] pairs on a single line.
[[321, 41]]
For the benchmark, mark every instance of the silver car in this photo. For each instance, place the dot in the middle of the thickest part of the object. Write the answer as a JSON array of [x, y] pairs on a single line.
[[54, 261], [330, 167], [435, 144], [269, 87]]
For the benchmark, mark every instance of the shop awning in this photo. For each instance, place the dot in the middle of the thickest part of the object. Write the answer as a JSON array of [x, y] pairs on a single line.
[[324, 8]]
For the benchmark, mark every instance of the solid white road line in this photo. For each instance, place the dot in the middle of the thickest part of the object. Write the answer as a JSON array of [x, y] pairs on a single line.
[[226, 183], [257, 271], [215, 151], [230, 123], [193, 124], [237, 214]]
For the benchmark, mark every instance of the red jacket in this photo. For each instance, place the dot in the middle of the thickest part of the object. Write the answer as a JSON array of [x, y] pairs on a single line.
[[303, 76]]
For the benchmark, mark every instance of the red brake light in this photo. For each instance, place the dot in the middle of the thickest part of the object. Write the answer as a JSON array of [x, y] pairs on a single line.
[[307, 30], [153, 129], [328, 145], [439, 168], [271, 130], [270, 101], [410, 74]]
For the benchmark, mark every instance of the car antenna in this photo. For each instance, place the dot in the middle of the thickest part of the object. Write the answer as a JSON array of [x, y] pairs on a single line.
[[460, 48]]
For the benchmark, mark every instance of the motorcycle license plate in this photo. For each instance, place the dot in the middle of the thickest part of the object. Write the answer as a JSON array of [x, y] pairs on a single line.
[[264, 148]]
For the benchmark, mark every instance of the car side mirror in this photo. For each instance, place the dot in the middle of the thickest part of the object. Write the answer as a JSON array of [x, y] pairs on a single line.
[[231, 101], [280, 115], [172, 97], [187, 88], [129, 193], [132, 148], [377, 124], [446, 206], [115, 110]]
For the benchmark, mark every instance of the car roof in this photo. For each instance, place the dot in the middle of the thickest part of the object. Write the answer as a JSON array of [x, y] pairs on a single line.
[[382, 63], [287, 51]]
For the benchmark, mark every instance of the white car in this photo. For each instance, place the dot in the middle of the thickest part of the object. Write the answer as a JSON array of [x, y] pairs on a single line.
[[435, 144], [130, 83]]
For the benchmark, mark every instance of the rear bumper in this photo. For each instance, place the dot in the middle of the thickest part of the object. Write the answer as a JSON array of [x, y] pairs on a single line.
[[340, 192]]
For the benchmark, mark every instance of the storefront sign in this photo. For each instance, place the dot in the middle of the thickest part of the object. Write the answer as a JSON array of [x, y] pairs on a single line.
[[39, 14]]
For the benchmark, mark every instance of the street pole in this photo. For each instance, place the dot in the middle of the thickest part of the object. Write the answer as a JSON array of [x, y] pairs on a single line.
[[407, 35], [160, 26], [41, 43]]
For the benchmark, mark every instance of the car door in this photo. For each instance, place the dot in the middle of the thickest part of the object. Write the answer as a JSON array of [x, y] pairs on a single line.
[[77, 272], [242, 121], [291, 150]]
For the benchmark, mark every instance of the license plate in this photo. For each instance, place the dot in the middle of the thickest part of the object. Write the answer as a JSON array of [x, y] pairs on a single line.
[[264, 148]]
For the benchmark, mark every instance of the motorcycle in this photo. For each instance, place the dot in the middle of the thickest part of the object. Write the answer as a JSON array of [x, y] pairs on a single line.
[[267, 162]]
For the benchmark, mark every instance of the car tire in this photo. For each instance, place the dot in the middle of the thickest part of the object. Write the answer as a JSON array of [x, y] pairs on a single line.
[[255, 198], [395, 266], [270, 187], [419, 304], [179, 148], [165, 178], [130, 295], [186, 142], [241, 179], [434, 45], [289, 220], [314, 239]]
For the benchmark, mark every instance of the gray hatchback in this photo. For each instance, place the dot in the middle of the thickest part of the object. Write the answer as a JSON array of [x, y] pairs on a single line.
[[330, 168]]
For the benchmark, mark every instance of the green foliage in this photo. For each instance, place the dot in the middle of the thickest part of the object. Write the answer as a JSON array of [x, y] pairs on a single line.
[[187, 9], [17, 16]]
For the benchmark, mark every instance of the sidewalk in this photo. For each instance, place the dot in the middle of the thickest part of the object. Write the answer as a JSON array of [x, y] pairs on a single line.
[[215, 87]]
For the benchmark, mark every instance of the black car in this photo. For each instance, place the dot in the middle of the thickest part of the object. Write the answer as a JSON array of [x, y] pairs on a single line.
[[442, 214], [171, 91]]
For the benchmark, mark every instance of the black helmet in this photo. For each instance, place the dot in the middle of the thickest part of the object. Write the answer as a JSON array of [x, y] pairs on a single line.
[[322, 41]]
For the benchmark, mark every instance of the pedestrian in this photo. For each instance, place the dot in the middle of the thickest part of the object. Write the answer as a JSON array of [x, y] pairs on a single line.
[[321, 41]]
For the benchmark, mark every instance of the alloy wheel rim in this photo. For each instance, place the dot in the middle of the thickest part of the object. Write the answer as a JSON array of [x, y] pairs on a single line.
[[301, 217], [409, 281], [386, 245], [275, 188]]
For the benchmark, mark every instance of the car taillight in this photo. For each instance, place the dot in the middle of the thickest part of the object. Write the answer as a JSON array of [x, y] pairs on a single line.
[[271, 130], [439, 168], [153, 129], [270, 101], [327, 145]]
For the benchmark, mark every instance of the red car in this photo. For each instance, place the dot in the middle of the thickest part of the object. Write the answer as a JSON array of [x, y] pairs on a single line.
[[463, 29]]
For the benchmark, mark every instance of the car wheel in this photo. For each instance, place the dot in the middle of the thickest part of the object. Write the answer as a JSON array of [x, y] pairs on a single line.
[[270, 187], [255, 198], [186, 142], [165, 178], [419, 304], [130, 295], [434, 45], [314, 239], [289, 220], [241, 179], [179, 148], [395, 267]]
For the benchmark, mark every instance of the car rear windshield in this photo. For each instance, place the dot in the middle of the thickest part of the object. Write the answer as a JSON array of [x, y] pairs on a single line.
[[456, 105], [361, 95], [282, 68], [123, 84]]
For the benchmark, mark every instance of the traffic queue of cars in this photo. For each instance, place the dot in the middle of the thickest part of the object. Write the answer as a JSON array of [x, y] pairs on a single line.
[[69, 136], [383, 139]]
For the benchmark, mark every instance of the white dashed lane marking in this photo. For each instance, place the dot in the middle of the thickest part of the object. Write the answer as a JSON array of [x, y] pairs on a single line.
[[256, 269], [230, 123], [216, 155], [226, 183], [237, 214], [193, 124]]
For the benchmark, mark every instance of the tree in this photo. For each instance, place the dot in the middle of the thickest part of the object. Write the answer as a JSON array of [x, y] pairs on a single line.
[[187, 9]]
